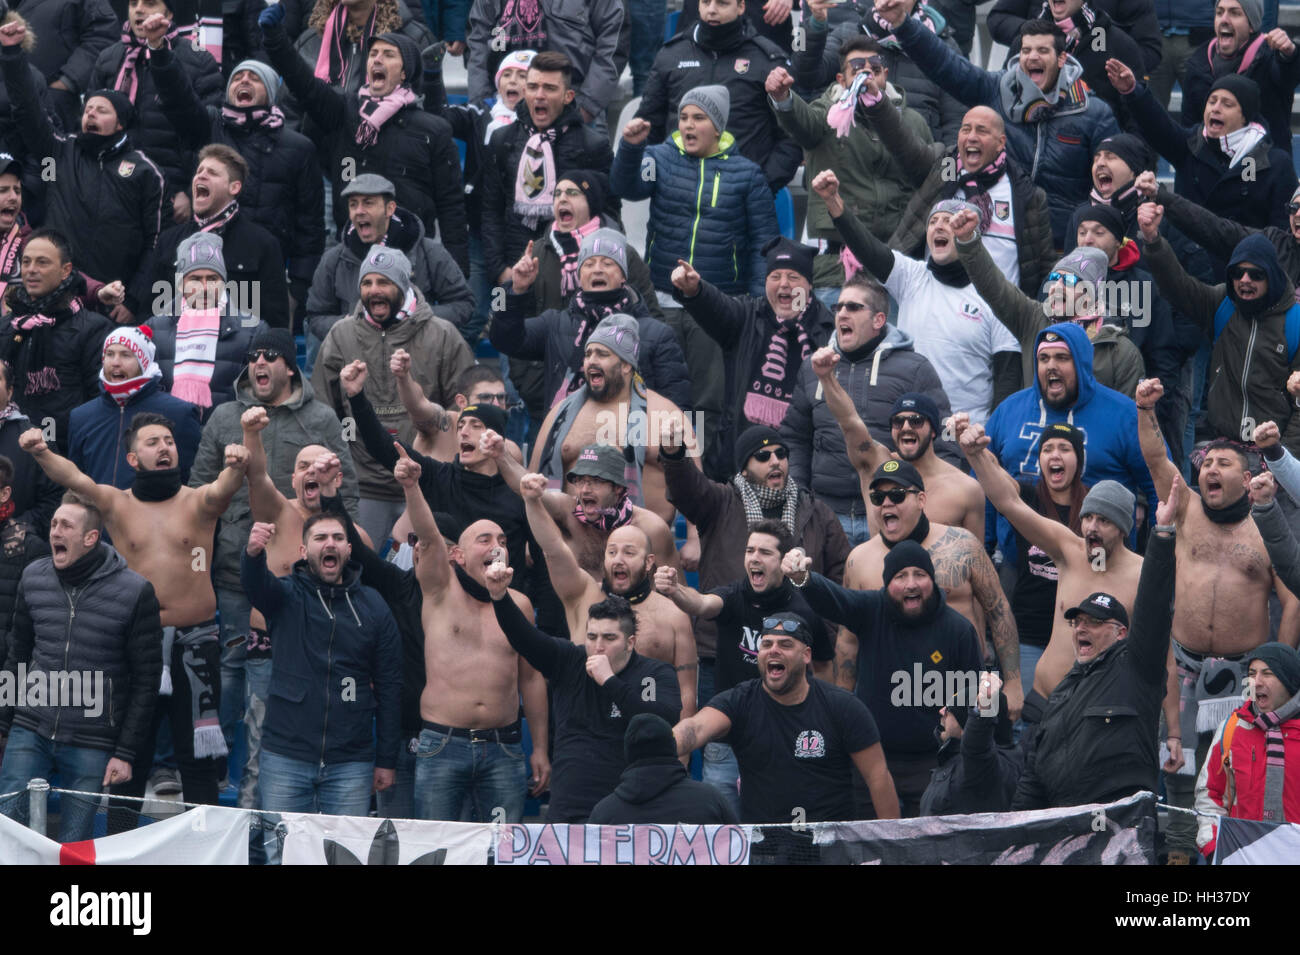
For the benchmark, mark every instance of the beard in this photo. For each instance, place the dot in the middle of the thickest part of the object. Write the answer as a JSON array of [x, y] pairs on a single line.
[[394, 303], [928, 607], [923, 445], [612, 385]]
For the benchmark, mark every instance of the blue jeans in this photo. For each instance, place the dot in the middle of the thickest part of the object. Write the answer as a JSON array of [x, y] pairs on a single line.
[[398, 800], [257, 690], [448, 769], [649, 19], [1029, 657], [233, 608], [855, 528], [722, 772], [28, 756], [295, 785], [481, 284]]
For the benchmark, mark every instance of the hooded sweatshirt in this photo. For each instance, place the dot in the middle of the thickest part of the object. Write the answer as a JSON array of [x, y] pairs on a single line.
[[1107, 418], [658, 790]]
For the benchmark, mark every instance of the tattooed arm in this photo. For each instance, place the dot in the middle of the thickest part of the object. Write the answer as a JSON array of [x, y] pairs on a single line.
[[1002, 625], [704, 727], [846, 659]]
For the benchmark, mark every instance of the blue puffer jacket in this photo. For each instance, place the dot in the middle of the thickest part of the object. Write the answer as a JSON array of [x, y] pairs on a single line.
[[1107, 418], [336, 693], [97, 439], [715, 212], [1056, 150]]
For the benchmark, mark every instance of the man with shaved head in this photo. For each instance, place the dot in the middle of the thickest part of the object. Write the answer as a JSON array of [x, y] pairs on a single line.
[[663, 632], [1017, 230]]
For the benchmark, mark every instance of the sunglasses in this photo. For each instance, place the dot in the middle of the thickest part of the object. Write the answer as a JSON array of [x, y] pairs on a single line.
[[895, 495], [487, 397], [1069, 278], [853, 307], [763, 456], [1292, 208], [270, 354], [861, 62], [914, 420], [1244, 271], [785, 626]]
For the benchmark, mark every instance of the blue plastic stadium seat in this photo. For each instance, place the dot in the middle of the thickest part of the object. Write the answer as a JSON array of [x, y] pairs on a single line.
[[300, 348], [1295, 152], [484, 349], [670, 25], [785, 213]]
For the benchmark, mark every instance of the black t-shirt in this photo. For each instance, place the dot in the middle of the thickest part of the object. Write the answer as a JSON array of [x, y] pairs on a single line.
[[1034, 602], [796, 757], [741, 622]]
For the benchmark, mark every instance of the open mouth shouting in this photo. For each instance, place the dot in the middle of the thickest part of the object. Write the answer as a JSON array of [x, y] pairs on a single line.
[[244, 94], [1212, 488], [261, 378], [913, 601], [941, 242], [1083, 645], [1214, 125], [330, 562], [776, 671], [620, 578], [1103, 179], [598, 282], [890, 522], [1055, 385], [1055, 474], [972, 155], [595, 377], [909, 442], [9, 213], [757, 576]]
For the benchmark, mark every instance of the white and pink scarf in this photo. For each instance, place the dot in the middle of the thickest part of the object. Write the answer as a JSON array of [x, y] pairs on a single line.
[[197, 331], [377, 111], [535, 179]]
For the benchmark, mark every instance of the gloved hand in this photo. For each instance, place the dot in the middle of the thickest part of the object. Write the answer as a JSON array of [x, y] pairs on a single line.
[[272, 16], [430, 56]]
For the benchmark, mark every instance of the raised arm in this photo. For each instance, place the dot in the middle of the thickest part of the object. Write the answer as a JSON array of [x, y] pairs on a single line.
[[63, 472], [1023, 316], [830, 601], [1004, 493], [874, 255], [428, 416], [865, 453], [543, 652], [30, 122], [1281, 462], [1153, 608], [264, 498], [214, 498], [1002, 623], [687, 598], [913, 155], [1185, 294], [1279, 541], [567, 576], [433, 569], [941, 63], [1163, 472]]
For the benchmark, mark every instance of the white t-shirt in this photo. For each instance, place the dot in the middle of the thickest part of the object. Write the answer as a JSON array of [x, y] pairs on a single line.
[[955, 329], [999, 233]]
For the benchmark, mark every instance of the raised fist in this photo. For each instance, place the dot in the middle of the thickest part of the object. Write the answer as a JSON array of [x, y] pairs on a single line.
[[532, 486], [255, 419], [259, 537], [796, 564], [33, 439], [973, 439], [353, 377], [778, 84], [666, 580], [1149, 391], [635, 132], [964, 224], [13, 34], [399, 363], [1149, 218], [329, 470], [1262, 489], [492, 445], [1267, 434], [1146, 184], [824, 361], [236, 457]]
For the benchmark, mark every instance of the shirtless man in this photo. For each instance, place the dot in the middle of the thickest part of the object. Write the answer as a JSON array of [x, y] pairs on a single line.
[[614, 408], [1223, 584], [1099, 560], [165, 532], [896, 505], [470, 743], [662, 631], [595, 504], [951, 497]]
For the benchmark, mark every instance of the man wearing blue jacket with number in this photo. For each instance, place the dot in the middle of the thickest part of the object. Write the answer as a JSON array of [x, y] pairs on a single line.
[[1065, 390]]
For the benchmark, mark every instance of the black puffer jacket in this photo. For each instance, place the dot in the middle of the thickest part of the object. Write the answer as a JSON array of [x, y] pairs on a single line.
[[1097, 738], [234, 336], [35, 496], [815, 68], [741, 64], [743, 325], [117, 190], [414, 150], [577, 146], [108, 625], [550, 337], [153, 132], [19, 546], [283, 193], [658, 790]]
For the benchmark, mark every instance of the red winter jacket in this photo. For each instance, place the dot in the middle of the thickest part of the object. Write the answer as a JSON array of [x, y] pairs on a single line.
[[1238, 791]]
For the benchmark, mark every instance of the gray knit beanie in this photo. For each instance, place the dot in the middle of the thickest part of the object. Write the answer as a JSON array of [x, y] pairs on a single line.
[[715, 101], [391, 263], [1113, 501]]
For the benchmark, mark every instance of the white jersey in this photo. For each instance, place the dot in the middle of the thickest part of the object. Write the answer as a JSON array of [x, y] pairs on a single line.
[[955, 329], [999, 233]]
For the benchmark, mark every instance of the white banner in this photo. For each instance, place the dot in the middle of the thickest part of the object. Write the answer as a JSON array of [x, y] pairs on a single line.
[[205, 835], [623, 845], [360, 840]]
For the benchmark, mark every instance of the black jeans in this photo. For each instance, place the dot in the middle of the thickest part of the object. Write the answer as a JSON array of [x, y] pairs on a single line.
[[198, 776]]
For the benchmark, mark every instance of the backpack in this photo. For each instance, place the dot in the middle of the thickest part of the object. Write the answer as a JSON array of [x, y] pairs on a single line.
[[1224, 312]]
